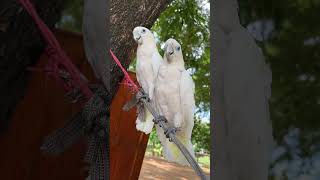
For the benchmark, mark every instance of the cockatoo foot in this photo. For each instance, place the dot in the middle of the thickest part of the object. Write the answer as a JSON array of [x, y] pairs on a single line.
[[170, 130], [142, 95], [159, 118]]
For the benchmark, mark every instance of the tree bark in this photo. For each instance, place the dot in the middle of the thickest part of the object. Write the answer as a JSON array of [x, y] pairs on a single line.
[[124, 16], [21, 45]]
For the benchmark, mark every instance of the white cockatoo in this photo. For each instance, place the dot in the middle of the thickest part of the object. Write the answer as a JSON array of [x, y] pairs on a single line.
[[147, 66], [243, 141], [174, 97]]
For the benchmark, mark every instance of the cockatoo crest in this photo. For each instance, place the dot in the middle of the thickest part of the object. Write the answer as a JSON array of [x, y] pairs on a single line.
[[143, 35]]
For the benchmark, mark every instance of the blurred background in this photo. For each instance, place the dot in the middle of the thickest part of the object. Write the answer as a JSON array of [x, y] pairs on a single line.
[[289, 34]]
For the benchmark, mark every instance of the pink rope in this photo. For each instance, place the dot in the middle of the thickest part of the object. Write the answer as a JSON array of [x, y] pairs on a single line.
[[128, 81], [57, 57]]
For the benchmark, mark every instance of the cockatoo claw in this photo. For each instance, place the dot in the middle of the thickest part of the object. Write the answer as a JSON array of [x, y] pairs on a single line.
[[159, 118], [170, 130], [142, 95]]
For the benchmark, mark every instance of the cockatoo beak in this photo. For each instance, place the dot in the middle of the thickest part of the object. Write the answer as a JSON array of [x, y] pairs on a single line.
[[169, 51], [137, 37]]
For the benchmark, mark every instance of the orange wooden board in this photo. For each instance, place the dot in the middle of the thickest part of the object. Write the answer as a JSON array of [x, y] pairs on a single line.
[[127, 145], [43, 109]]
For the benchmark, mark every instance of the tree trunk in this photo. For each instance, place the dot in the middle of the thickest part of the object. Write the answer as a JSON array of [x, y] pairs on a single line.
[[20, 46], [124, 16]]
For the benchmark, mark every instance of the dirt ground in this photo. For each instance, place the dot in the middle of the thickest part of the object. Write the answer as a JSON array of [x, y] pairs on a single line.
[[159, 169]]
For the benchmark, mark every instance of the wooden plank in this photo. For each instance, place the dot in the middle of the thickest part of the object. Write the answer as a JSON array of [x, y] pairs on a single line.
[[42, 110], [127, 145]]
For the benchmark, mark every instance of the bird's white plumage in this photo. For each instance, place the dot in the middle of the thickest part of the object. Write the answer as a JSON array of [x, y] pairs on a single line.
[[174, 97], [148, 62]]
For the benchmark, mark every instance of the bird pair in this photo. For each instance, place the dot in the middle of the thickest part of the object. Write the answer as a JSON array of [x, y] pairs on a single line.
[[171, 89]]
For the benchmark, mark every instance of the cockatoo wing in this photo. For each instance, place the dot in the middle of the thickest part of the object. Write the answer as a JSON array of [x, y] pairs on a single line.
[[145, 77], [158, 99], [187, 101], [146, 73], [181, 100], [187, 104], [144, 121], [246, 107], [157, 61]]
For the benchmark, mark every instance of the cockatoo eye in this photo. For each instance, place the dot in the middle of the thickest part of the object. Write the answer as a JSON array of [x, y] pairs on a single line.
[[143, 31], [178, 48]]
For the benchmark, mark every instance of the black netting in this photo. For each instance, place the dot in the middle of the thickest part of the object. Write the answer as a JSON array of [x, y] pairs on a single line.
[[64, 137], [93, 122]]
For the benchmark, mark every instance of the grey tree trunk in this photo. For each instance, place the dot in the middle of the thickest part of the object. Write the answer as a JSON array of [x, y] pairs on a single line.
[[20, 46]]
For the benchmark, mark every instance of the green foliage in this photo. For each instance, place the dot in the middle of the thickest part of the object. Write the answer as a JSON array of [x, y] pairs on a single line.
[[154, 144], [72, 16], [204, 161], [201, 136], [295, 66]]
